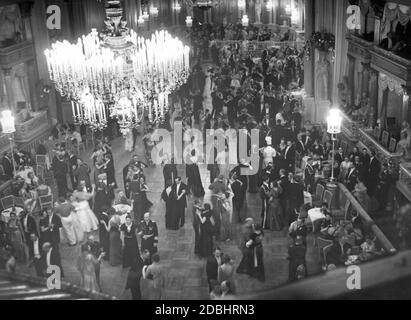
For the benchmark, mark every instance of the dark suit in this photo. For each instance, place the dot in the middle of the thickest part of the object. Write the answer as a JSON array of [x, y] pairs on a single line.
[[300, 147], [55, 260], [36, 260], [29, 228], [289, 156], [295, 199], [7, 166], [296, 256], [238, 200], [51, 235], [374, 169], [211, 270], [265, 197], [351, 179], [180, 205]]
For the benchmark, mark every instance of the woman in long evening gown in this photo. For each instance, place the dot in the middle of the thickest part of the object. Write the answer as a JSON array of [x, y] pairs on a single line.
[[274, 210], [156, 282], [194, 183], [196, 225], [86, 216], [171, 216], [226, 272], [110, 170], [130, 248], [256, 245], [15, 231], [141, 203], [86, 265], [206, 232], [115, 257]]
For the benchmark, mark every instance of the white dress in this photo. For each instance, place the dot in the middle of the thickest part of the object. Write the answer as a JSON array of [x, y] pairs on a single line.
[[86, 217]]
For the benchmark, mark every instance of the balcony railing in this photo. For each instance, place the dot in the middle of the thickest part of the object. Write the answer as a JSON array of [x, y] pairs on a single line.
[[367, 140], [404, 181], [349, 128]]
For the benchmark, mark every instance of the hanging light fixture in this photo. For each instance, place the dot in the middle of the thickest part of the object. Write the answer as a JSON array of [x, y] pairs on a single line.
[[132, 75], [177, 6], [146, 16], [154, 11], [189, 21], [245, 21]]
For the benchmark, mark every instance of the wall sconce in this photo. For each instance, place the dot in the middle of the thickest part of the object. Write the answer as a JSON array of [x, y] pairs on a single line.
[[189, 21], [245, 21]]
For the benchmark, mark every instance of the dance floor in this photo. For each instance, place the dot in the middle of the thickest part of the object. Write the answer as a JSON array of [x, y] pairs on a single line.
[[185, 273]]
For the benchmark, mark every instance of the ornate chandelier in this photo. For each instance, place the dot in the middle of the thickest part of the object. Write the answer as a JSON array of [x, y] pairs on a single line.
[[118, 73]]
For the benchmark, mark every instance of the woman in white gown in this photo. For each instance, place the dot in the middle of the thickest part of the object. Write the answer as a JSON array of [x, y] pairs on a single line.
[[85, 215]]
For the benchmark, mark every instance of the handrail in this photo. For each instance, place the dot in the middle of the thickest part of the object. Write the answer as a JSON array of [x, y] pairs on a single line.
[[385, 243], [333, 284], [65, 286]]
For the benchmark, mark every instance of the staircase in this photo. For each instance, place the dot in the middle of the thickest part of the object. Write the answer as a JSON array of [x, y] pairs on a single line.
[[23, 287]]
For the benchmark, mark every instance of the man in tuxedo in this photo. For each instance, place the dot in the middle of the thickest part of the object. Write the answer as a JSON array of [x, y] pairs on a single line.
[[351, 177], [50, 228], [29, 227], [289, 156], [374, 169], [359, 165], [72, 161], [35, 254], [365, 159], [265, 197], [284, 184], [339, 155], [306, 139], [7, 164], [238, 198], [212, 265], [50, 257], [295, 197], [309, 174], [179, 190], [82, 173], [297, 118], [300, 146]]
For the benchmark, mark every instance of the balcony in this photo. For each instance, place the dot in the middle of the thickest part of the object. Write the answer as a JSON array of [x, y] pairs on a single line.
[[391, 64], [349, 128], [404, 181], [366, 139], [359, 48]]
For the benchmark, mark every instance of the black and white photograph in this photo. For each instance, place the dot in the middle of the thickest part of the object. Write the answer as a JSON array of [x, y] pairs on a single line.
[[205, 150]]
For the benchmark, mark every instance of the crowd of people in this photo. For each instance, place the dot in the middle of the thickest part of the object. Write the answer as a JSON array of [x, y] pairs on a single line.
[[246, 93]]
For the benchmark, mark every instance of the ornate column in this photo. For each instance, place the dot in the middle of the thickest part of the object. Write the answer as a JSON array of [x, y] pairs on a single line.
[[380, 104], [9, 88], [373, 94], [365, 78], [32, 81], [351, 75], [308, 64], [406, 104]]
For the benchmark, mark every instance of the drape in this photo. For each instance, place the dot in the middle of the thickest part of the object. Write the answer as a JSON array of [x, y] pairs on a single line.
[[385, 82], [341, 46], [87, 14], [395, 12]]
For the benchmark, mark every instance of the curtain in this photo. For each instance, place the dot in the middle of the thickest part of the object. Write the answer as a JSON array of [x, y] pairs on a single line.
[[341, 46], [395, 12], [87, 14]]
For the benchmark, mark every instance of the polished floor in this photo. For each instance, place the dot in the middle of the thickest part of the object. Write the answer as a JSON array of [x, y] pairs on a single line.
[[185, 273]]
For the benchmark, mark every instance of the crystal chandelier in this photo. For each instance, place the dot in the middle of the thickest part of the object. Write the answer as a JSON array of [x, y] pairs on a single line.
[[118, 73]]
